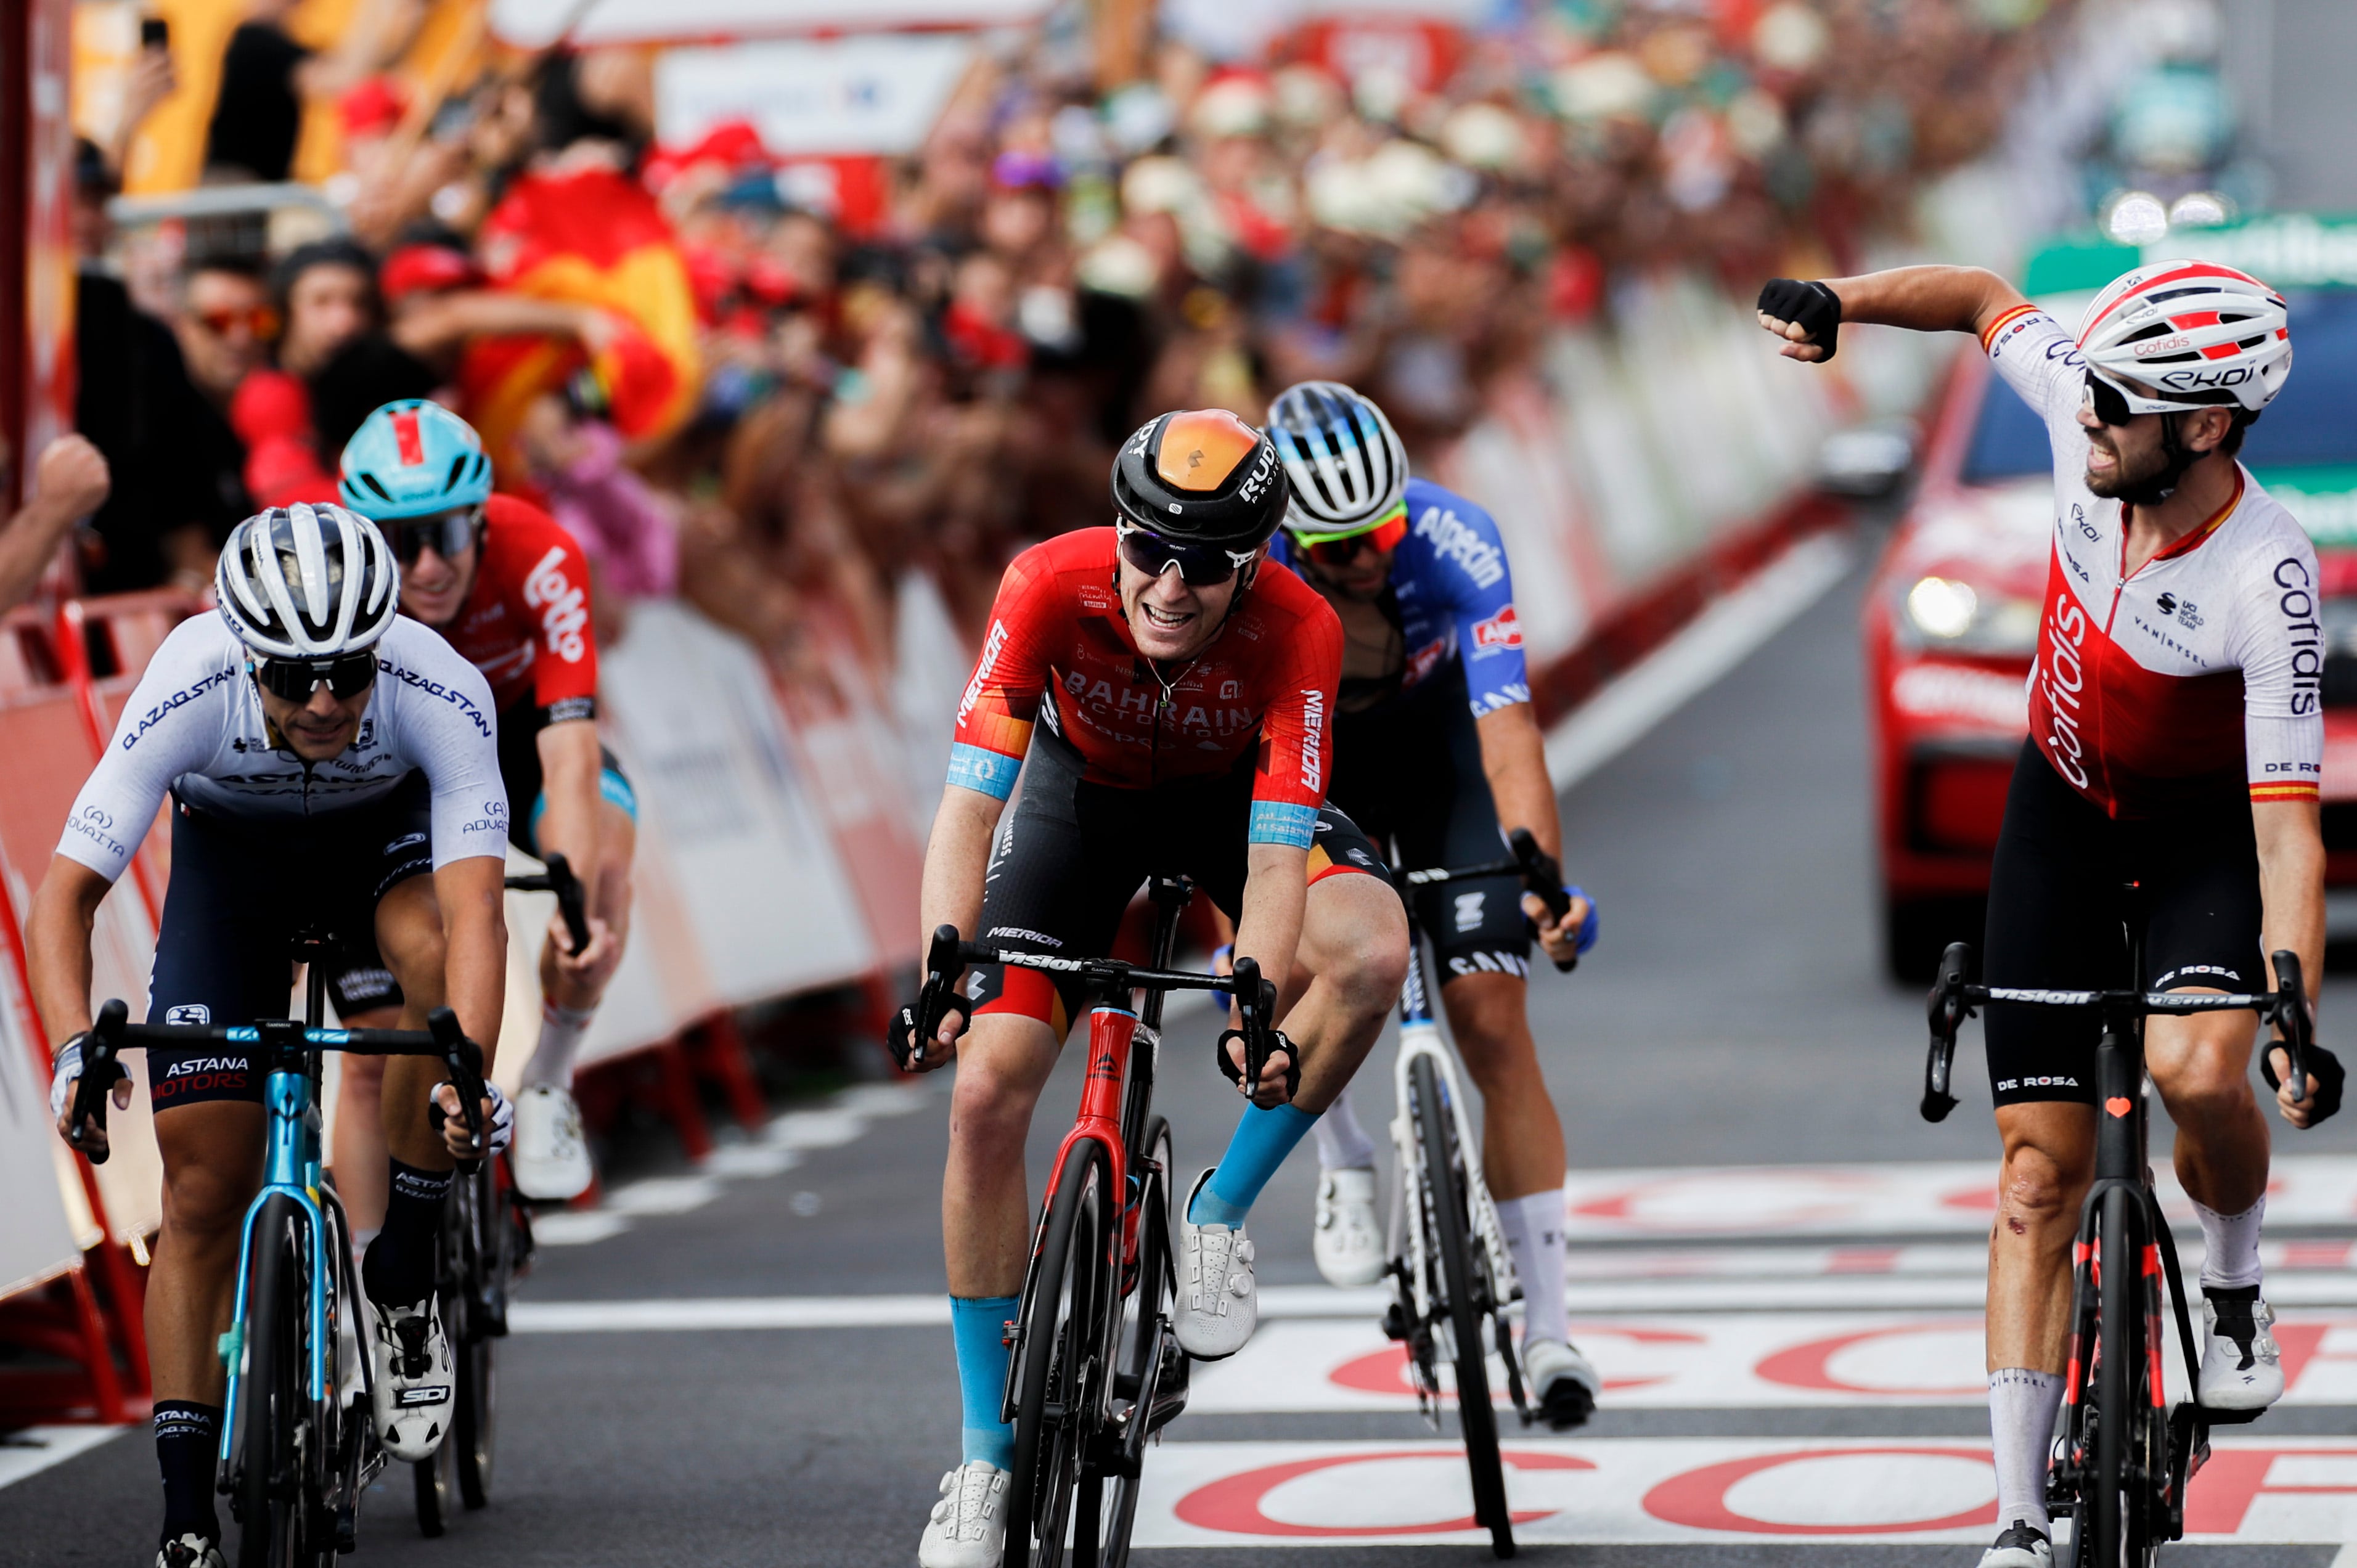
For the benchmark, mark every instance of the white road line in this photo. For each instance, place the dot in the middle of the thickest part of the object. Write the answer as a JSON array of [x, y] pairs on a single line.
[[1714, 643], [34, 1449], [705, 1313]]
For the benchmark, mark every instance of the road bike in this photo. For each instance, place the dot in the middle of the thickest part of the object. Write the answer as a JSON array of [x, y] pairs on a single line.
[[2124, 1456], [484, 1248], [298, 1446], [1096, 1369], [1452, 1275]]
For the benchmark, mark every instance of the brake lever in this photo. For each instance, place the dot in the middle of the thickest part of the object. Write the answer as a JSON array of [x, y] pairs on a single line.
[[570, 901], [101, 1069], [2291, 1016], [1947, 1010], [932, 1004], [465, 1060], [1543, 876]]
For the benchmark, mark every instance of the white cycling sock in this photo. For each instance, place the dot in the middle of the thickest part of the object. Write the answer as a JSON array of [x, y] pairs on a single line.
[[1533, 1227], [2022, 1403], [2230, 1257], [561, 1029], [1342, 1144]]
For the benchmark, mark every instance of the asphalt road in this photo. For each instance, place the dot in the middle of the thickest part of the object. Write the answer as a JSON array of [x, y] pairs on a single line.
[[1734, 1014]]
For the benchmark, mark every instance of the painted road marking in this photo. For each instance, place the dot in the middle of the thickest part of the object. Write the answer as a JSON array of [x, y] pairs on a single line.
[[30, 1450], [710, 1313], [1717, 1361], [1687, 1490], [1740, 1202]]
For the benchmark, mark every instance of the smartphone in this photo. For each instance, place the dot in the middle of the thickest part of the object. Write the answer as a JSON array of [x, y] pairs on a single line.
[[155, 32]]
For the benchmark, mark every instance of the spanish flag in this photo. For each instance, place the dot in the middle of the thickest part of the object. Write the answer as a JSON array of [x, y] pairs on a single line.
[[587, 236]]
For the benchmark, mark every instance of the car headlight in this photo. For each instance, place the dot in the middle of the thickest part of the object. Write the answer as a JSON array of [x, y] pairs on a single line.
[[1951, 614]]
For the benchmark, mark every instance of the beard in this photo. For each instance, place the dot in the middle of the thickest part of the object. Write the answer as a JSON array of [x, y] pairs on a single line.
[[2145, 482]]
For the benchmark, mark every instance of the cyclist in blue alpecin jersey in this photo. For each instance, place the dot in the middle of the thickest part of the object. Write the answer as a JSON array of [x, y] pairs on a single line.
[[1434, 746]]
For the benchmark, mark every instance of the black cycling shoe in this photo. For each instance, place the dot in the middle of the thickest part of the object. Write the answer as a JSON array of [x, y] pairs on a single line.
[[189, 1550], [2024, 1545]]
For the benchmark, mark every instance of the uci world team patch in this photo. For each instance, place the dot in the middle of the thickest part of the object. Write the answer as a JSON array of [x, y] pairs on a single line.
[[194, 1014]]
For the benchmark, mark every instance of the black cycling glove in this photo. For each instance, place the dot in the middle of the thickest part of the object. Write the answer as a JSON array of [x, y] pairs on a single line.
[[2323, 1066], [914, 1031], [1278, 1042], [1816, 308]]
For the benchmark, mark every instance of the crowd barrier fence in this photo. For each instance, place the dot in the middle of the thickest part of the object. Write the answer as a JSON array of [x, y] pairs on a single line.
[[1636, 469]]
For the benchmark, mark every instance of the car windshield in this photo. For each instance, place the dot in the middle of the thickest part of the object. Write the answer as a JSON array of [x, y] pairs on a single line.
[[2308, 427]]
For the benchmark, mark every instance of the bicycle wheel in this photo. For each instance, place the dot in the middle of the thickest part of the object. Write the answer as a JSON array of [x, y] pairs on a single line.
[[435, 1481], [472, 1423], [1059, 1363], [1152, 1371], [2116, 1513], [268, 1480], [1452, 1239]]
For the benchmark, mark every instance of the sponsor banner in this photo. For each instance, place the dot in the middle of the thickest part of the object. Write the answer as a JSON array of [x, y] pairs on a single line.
[[1751, 1202], [1687, 1490], [1714, 1361]]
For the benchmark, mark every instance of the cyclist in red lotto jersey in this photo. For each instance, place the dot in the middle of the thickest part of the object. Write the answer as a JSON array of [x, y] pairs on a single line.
[[2176, 741], [1166, 695], [510, 590]]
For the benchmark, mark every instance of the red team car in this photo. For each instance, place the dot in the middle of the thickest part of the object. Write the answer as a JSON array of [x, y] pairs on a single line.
[[1951, 619]]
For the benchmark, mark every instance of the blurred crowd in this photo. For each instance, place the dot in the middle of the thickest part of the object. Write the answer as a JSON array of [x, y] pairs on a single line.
[[762, 381]]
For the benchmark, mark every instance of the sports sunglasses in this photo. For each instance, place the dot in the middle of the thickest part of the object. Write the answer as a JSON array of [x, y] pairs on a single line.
[[1199, 565], [1341, 549], [450, 532], [347, 675], [2116, 406]]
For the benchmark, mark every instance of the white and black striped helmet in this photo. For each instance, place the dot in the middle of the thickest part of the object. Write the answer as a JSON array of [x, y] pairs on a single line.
[[1348, 469], [307, 582]]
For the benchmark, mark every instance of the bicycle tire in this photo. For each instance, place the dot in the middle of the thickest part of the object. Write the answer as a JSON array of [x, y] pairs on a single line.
[[1477, 1418], [433, 1481], [271, 1508], [1061, 1316], [1141, 1347], [2115, 1514], [474, 1420]]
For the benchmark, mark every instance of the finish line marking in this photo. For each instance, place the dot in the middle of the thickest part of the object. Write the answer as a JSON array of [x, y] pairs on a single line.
[[1688, 1490]]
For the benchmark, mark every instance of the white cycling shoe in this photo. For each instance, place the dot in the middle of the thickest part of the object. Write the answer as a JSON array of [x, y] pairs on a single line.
[[1218, 1302], [1347, 1242], [968, 1529], [550, 1158], [415, 1383], [190, 1551], [2023, 1545], [2241, 1367], [1564, 1383]]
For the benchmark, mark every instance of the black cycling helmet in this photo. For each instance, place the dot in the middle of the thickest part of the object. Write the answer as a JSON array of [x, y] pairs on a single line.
[[1202, 476]]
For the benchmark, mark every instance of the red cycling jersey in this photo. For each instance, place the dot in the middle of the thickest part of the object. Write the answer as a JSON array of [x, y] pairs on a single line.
[[525, 624], [1267, 681]]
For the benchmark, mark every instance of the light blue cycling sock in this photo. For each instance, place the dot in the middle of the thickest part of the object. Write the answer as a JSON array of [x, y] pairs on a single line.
[[1265, 1136], [979, 1325]]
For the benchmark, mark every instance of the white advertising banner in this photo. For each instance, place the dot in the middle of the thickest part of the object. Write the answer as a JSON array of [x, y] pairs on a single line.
[[536, 24], [879, 93]]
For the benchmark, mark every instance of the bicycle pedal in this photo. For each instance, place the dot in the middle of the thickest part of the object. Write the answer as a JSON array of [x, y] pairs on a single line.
[[1396, 1325], [2211, 1416]]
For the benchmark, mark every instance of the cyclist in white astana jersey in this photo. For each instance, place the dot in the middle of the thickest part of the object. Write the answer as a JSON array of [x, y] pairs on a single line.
[[331, 766], [2176, 741], [194, 726]]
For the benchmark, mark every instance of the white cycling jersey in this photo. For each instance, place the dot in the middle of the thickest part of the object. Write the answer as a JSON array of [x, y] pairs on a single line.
[[2200, 674], [194, 726]]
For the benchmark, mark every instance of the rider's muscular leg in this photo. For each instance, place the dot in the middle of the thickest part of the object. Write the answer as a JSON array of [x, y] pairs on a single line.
[[359, 1130], [2050, 1159], [1353, 954], [2201, 1066], [1001, 1064], [1522, 1140], [213, 1168], [399, 1267]]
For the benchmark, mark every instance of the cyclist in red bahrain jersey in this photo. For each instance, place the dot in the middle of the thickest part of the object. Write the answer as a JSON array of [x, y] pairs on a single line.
[[1166, 693], [510, 590], [2176, 741]]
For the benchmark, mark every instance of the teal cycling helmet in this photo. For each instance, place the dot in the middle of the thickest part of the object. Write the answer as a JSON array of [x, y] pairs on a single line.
[[414, 458]]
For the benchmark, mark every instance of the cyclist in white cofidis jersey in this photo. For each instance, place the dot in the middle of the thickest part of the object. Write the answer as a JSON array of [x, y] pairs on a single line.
[[1434, 747], [2176, 741], [323, 757]]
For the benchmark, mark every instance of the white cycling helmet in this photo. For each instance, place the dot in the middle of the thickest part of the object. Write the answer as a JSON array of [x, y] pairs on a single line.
[[2203, 335], [307, 582], [1348, 469]]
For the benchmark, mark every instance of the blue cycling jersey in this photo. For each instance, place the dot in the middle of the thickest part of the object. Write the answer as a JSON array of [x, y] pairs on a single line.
[[1454, 597]]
